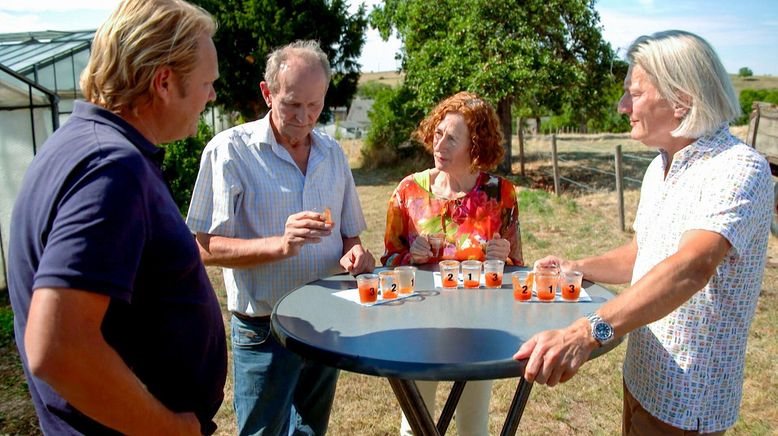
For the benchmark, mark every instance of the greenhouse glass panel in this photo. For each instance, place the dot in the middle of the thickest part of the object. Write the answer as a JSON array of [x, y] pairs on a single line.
[[66, 78]]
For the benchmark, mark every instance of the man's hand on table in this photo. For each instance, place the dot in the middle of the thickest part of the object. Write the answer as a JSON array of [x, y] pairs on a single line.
[[357, 260], [555, 355]]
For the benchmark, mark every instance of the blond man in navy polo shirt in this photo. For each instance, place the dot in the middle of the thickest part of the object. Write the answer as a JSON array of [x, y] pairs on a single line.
[[117, 325]]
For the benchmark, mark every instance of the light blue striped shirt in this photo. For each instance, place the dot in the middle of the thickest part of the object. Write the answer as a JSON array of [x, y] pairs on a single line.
[[247, 187]]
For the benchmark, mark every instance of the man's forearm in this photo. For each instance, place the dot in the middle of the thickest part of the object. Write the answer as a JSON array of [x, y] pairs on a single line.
[[240, 253], [66, 349], [669, 284]]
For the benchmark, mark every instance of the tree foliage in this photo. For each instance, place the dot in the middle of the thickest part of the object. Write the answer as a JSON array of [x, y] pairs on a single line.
[[250, 29], [537, 56], [745, 72], [182, 162]]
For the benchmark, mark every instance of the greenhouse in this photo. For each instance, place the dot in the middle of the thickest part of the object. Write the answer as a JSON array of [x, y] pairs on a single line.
[[28, 116]]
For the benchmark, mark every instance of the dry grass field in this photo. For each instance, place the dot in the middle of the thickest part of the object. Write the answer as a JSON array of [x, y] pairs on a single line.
[[578, 223], [755, 82]]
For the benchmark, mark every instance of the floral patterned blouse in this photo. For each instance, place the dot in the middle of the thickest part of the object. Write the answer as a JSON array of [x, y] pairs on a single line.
[[468, 222]]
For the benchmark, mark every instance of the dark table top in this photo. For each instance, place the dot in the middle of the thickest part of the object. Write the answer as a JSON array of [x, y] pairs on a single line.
[[461, 334]]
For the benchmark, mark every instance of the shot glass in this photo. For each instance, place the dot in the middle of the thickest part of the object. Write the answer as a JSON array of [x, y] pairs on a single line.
[[389, 284], [325, 212], [437, 242], [368, 288], [545, 285], [571, 285], [471, 272], [493, 273], [449, 273], [522, 285], [406, 276]]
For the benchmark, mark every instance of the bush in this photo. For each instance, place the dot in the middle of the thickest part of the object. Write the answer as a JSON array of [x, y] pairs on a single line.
[[393, 118], [749, 96], [182, 162]]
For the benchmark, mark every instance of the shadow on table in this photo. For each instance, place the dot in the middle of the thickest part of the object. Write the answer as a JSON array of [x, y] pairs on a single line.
[[418, 353]]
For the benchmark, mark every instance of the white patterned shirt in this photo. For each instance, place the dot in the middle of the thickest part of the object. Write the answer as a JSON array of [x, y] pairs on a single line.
[[247, 187], [687, 368]]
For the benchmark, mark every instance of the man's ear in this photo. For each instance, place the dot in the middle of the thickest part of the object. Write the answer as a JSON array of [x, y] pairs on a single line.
[[162, 83], [265, 89], [682, 109]]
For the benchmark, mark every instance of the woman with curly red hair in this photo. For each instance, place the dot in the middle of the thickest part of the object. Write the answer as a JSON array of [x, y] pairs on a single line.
[[475, 213]]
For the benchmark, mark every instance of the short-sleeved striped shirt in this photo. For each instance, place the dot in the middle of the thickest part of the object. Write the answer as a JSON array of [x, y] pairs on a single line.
[[687, 368], [247, 187]]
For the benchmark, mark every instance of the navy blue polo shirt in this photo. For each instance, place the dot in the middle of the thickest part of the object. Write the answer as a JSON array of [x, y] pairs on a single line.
[[95, 214]]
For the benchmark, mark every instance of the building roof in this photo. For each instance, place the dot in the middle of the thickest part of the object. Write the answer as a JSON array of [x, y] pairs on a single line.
[[358, 111], [23, 50]]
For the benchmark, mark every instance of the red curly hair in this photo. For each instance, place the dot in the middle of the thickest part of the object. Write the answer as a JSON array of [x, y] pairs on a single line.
[[486, 150]]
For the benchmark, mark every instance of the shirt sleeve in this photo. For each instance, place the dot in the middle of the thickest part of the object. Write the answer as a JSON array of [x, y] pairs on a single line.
[[396, 241], [98, 234], [217, 193], [736, 203], [510, 221]]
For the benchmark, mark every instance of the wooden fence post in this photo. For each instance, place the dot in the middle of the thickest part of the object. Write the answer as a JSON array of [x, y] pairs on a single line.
[[555, 163], [619, 187], [519, 126]]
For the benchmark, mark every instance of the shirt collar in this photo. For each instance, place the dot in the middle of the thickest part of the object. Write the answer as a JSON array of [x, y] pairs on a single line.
[[703, 144], [269, 138], [97, 114]]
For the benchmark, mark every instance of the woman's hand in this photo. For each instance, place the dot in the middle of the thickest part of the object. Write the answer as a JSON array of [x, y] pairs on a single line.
[[498, 248], [421, 252]]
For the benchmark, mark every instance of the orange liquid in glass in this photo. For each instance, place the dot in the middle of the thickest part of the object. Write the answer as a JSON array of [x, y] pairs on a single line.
[[367, 294], [493, 280], [406, 290], [522, 291], [471, 283], [449, 281], [546, 287], [389, 295], [571, 292]]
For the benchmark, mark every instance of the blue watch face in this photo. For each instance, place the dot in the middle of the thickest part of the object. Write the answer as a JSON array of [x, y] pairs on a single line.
[[602, 331]]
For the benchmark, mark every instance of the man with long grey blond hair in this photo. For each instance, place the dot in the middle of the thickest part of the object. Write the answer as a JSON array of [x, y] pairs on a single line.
[[117, 324], [696, 262], [259, 210]]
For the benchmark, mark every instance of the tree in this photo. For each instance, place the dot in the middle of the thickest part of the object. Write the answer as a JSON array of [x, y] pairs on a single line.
[[539, 55], [182, 162], [250, 29], [745, 72]]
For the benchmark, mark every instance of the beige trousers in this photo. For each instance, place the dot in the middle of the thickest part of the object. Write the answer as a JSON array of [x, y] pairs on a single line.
[[472, 412]]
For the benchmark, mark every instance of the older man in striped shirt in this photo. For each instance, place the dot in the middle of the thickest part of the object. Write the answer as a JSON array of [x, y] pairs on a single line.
[[258, 211]]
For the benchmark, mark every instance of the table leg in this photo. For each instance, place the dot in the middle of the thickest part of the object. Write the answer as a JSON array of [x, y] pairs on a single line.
[[517, 408], [413, 406], [450, 407]]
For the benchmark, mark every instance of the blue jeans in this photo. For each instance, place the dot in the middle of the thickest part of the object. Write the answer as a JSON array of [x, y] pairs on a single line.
[[274, 387]]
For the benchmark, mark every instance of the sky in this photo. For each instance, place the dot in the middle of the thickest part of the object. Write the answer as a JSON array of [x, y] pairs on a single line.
[[743, 32]]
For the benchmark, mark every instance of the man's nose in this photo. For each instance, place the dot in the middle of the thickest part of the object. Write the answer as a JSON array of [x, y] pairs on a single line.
[[625, 104]]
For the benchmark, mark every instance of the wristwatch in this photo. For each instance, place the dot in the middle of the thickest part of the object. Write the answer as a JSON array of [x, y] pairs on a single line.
[[602, 331]]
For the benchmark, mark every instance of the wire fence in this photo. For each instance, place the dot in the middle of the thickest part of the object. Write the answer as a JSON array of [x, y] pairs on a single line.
[[593, 169]]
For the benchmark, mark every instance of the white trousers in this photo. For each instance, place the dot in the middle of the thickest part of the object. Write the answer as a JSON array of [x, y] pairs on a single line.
[[472, 412]]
